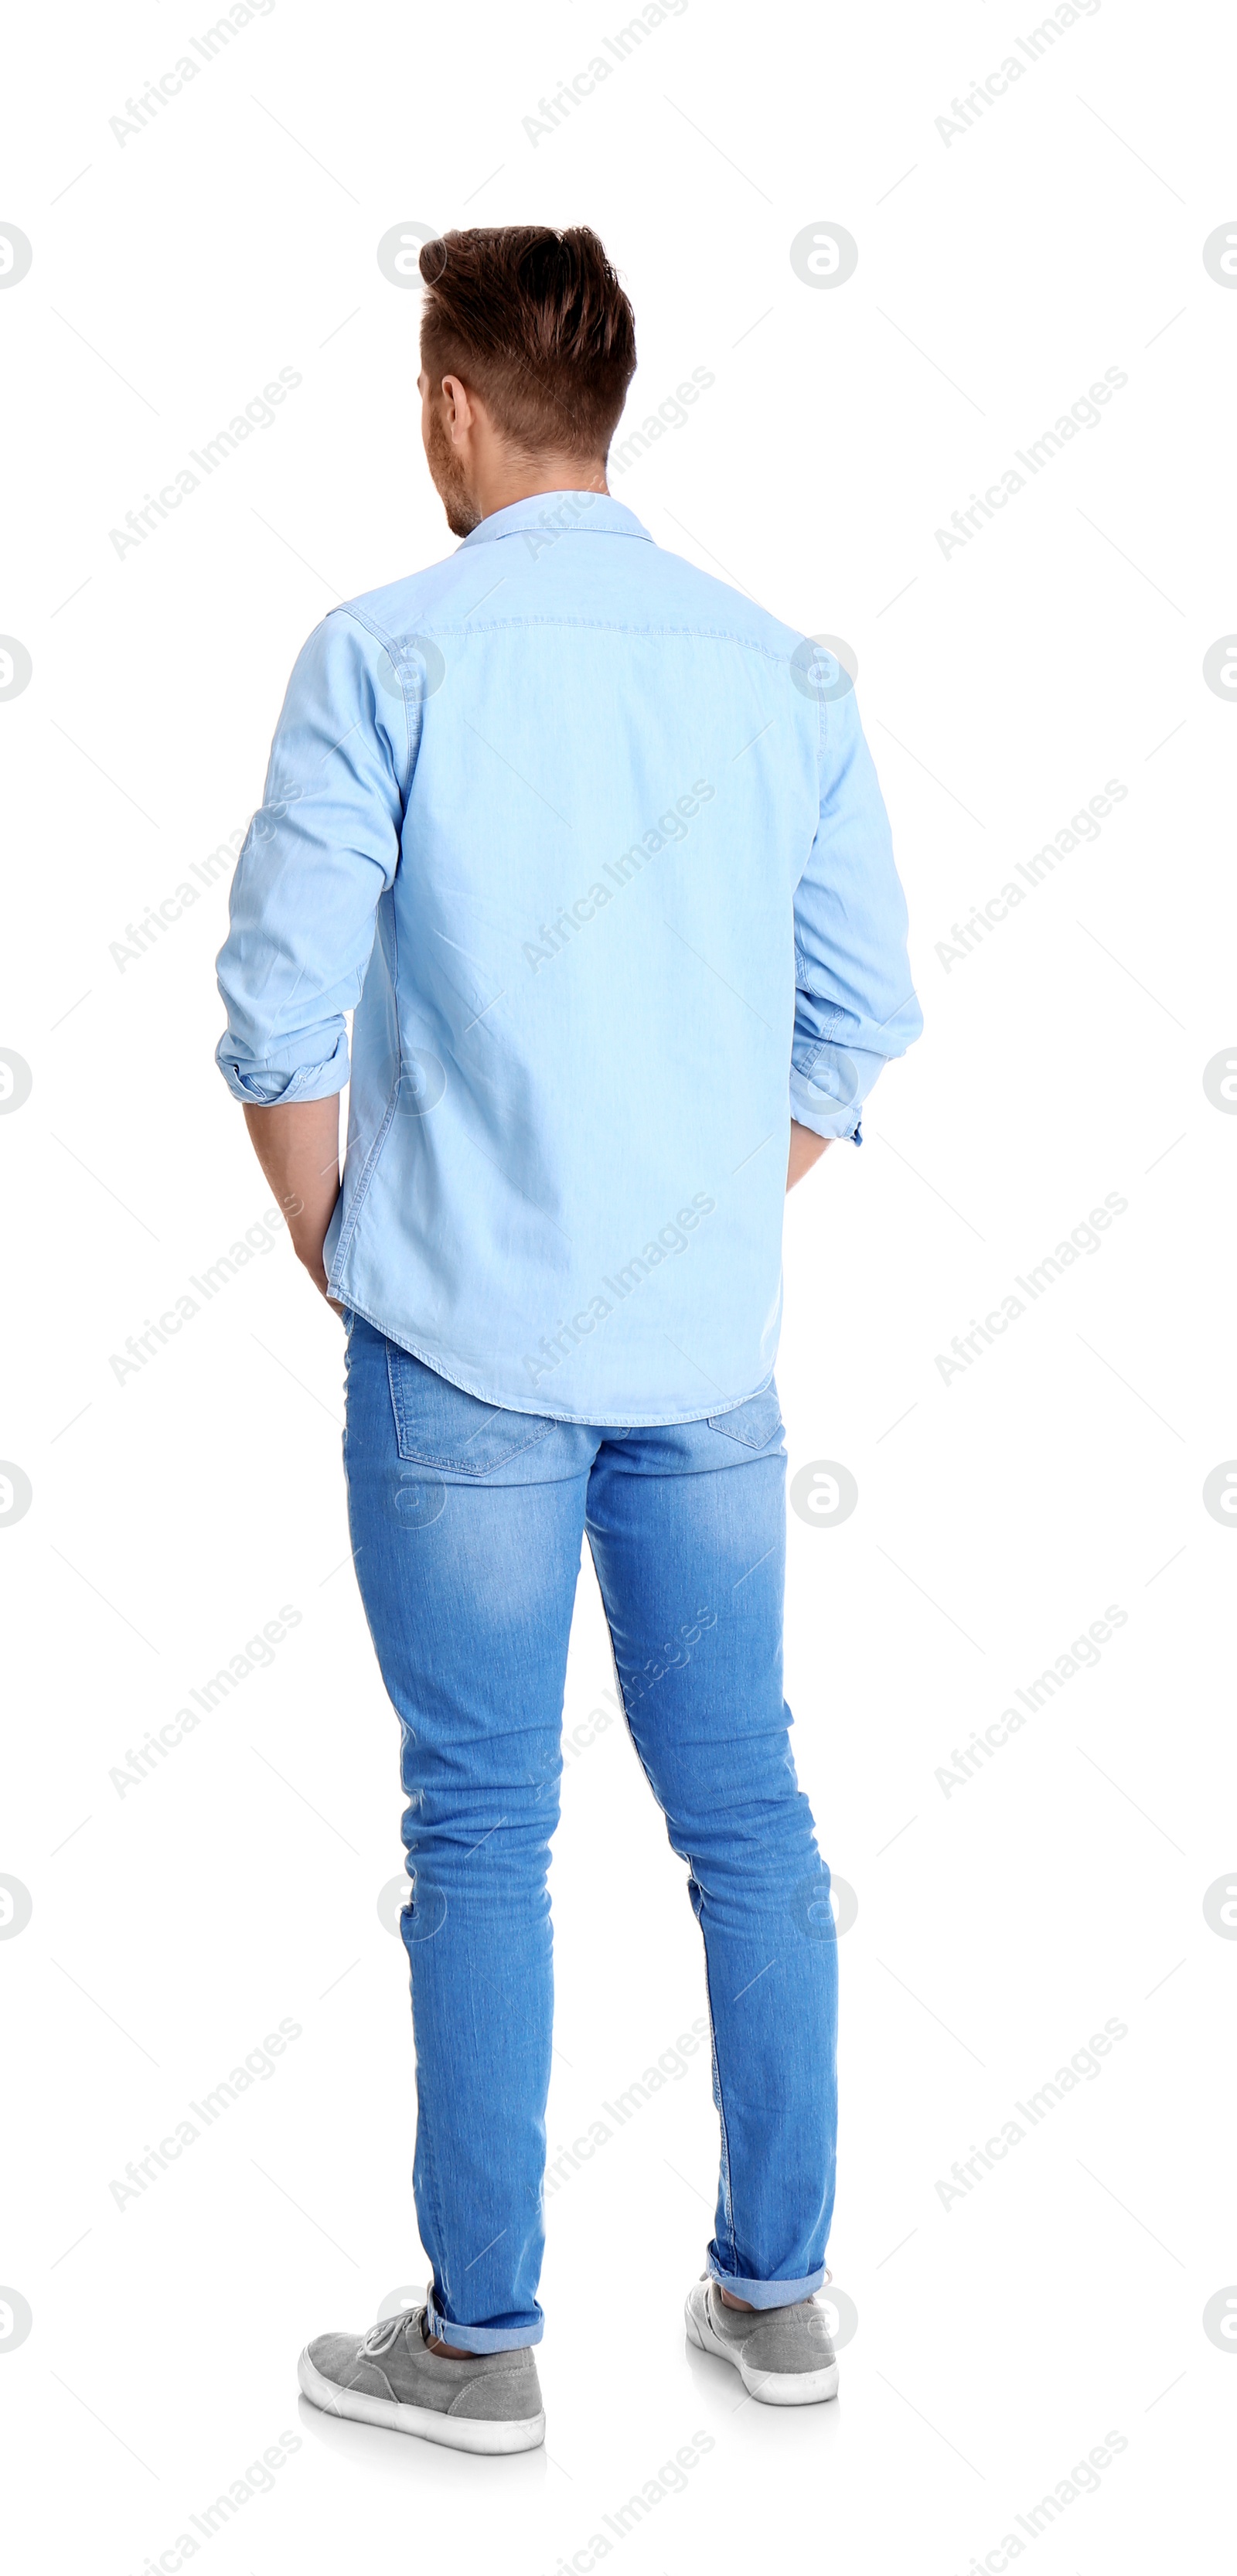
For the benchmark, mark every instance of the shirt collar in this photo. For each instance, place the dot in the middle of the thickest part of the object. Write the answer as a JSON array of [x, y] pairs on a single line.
[[560, 514]]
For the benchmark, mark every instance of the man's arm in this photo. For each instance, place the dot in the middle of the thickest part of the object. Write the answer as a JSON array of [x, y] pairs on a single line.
[[806, 1148], [297, 1145], [319, 853], [855, 1005]]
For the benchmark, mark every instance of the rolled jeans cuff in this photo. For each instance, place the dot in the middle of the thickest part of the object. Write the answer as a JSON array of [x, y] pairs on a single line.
[[768, 2294], [476, 2338]]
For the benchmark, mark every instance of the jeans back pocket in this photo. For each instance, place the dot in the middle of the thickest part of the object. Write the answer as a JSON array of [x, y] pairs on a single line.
[[438, 1425], [755, 1423]]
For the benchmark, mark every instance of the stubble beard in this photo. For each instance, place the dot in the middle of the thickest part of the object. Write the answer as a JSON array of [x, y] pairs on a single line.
[[450, 482]]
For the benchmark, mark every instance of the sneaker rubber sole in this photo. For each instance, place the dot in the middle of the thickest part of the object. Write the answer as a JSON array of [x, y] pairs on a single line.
[[455, 2432], [769, 2387]]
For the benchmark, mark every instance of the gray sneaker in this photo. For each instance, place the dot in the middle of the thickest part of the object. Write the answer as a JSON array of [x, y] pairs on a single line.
[[783, 2355], [391, 2377]]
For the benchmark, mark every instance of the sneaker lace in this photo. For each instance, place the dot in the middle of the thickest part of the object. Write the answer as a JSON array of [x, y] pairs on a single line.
[[381, 2337]]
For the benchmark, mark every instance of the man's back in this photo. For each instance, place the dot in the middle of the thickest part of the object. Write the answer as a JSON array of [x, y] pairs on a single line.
[[611, 816]]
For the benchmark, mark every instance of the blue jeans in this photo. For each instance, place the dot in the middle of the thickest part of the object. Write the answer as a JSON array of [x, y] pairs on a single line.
[[466, 1531]]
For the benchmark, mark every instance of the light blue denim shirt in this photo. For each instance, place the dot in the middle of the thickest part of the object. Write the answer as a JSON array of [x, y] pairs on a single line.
[[595, 851]]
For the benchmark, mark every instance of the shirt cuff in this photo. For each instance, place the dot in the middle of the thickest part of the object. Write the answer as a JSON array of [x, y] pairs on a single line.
[[833, 1129], [828, 1092], [263, 1085]]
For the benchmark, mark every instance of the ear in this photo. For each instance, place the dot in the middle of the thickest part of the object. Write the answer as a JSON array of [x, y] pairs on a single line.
[[461, 410]]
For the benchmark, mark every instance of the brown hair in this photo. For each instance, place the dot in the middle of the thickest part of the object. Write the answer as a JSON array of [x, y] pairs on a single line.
[[536, 323]]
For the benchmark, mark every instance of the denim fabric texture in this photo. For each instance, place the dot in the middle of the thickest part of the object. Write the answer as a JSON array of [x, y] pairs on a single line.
[[467, 1526], [593, 849]]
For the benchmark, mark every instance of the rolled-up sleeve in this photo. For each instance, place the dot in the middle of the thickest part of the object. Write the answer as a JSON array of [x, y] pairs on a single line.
[[855, 1004], [319, 853]]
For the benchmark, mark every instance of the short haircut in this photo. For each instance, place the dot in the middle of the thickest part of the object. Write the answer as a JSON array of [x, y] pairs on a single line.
[[536, 323]]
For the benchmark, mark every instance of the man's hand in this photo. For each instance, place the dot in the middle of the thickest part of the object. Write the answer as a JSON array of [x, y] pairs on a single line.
[[297, 1145], [806, 1148]]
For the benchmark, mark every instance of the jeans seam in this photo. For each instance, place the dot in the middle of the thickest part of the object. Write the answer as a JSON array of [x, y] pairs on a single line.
[[424, 2143], [717, 2080], [727, 2193], [623, 1698]]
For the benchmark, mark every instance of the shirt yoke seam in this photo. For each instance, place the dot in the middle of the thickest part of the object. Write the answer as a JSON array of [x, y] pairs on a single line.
[[433, 625]]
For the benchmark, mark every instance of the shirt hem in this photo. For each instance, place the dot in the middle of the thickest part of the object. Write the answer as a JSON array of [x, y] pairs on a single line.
[[542, 1412]]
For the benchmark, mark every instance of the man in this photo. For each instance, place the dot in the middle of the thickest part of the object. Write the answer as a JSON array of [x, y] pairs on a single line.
[[595, 849]]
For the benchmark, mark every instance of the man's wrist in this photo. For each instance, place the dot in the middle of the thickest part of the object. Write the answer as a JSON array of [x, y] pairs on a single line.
[[309, 1252]]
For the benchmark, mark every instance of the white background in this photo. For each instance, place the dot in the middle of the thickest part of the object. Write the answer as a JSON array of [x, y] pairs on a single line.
[[1000, 273]]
